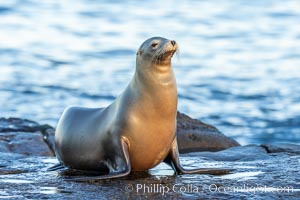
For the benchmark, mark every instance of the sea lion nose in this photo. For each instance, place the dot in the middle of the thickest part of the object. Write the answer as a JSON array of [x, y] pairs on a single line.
[[173, 42]]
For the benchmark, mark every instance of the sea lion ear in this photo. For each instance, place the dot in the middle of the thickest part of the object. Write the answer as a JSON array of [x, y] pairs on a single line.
[[139, 52]]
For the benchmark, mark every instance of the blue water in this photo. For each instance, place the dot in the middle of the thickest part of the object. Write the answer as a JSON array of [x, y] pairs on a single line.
[[238, 68]]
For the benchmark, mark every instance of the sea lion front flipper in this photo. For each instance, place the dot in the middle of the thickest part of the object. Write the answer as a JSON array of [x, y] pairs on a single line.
[[173, 160], [113, 173]]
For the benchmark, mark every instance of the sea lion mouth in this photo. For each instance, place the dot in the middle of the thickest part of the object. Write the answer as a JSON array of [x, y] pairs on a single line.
[[165, 55]]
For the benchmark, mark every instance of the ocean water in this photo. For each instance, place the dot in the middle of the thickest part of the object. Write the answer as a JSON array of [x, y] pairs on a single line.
[[238, 67]]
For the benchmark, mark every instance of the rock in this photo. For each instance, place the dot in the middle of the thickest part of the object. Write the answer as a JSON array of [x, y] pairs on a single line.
[[282, 147], [26, 137], [258, 171], [17, 125], [273, 176], [26, 143], [194, 135], [239, 153], [265, 171]]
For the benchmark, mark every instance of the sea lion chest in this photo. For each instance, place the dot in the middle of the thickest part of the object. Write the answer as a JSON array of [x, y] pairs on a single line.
[[150, 127], [150, 144]]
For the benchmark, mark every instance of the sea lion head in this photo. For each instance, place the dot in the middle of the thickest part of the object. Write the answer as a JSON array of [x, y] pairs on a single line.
[[156, 51]]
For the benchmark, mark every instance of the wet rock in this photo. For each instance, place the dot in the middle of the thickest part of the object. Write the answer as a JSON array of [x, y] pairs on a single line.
[[256, 169], [26, 143], [26, 137], [275, 176], [194, 135], [239, 153], [17, 125], [264, 171], [282, 147]]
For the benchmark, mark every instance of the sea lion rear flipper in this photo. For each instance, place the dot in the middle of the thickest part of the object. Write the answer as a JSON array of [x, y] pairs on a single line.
[[56, 167], [113, 173], [173, 160]]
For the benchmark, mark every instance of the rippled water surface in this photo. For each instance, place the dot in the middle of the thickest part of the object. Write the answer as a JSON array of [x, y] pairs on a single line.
[[239, 65]]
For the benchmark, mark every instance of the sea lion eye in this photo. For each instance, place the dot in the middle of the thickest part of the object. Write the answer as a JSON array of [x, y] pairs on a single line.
[[154, 44]]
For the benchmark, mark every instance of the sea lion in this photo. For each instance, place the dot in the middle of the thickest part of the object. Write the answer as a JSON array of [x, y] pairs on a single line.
[[136, 132]]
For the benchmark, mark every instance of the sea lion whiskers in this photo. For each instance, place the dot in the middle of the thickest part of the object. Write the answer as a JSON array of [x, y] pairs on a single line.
[[160, 54], [177, 52], [157, 54]]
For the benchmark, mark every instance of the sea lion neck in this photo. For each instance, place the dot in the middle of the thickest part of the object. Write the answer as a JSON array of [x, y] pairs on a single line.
[[159, 74]]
